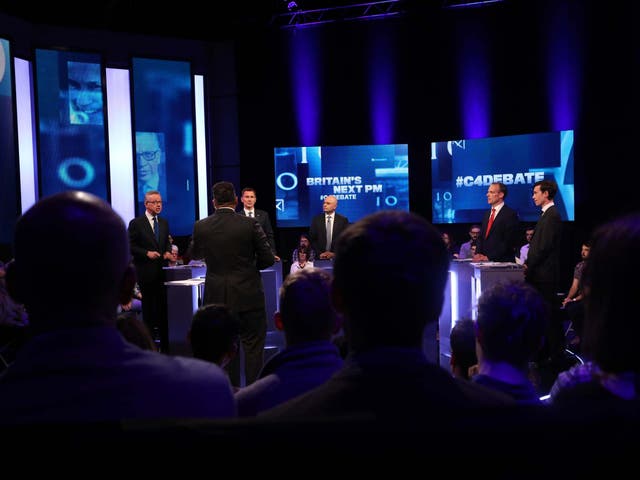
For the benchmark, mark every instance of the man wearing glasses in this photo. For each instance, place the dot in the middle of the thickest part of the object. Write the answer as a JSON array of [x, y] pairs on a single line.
[[149, 161], [150, 248]]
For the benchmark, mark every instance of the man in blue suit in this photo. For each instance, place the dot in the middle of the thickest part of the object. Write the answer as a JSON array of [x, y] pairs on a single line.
[[150, 248], [499, 233]]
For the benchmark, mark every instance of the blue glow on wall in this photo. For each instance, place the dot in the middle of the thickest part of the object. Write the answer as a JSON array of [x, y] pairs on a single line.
[[305, 52], [382, 87]]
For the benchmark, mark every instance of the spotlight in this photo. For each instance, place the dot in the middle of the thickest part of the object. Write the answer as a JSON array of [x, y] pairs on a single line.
[[292, 6]]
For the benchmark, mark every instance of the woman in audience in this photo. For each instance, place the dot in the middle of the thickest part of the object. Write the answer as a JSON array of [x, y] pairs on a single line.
[[302, 262], [304, 242], [610, 330]]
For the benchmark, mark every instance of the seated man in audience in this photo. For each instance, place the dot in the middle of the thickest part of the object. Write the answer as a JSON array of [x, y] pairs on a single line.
[[387, 299], [463, 348], [611, 328], [308, 320], [77, 367], [468, 249], [512, 320], [573, 302], [214, 335]]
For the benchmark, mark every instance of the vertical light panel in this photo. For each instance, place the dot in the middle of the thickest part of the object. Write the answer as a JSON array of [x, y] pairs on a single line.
[[201, 148], [120, 143], [26, 127]]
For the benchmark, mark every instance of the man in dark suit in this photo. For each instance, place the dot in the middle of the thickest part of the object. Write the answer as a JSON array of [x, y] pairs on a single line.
[[235, 249], [321, 241], [150, 248], [386, 300], [499, 233], [542, 267], [248, 199]]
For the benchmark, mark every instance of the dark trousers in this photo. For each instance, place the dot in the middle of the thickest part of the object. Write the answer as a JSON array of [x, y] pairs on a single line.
[[554, 339], [154, 310], [253, 334]]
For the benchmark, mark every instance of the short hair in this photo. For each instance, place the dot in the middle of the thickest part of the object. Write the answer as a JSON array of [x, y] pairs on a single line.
[[248, 189], [224, 192], [548, 186], [512, 321], [86, 225], [214, 331], [462, 340], [388, 297], [305, 306], [502, 188], [475, 226], [611, 329]]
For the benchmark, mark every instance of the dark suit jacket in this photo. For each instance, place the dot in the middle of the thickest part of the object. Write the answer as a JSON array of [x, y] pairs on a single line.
[[318, 231], [501, 244], [141, 240], [235, 249], [262, 218], [543, 260]]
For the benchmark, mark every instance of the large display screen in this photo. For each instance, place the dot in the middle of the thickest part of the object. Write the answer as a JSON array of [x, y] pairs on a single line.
[[9, 203], [71, 126], [461, 171], [364, 178], [164, 139]]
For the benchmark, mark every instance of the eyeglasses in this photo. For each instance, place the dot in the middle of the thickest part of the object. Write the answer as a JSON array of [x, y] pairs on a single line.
[[147, 156]]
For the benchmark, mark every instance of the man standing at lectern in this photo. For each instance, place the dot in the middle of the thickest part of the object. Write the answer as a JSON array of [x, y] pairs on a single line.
[[150, 248], [235, 249], [499, 233], [326, 228]]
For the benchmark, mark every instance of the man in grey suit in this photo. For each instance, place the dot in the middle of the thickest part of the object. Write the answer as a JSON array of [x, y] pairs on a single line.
[[542, 267], [235, 249], [322, 241]]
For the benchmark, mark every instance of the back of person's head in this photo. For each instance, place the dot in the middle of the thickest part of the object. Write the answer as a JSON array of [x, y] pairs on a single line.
[[135, 331], [386, 295], [611, 329], [306, 311], [224, 193], [59, 291], [214, 334], [512, 320], [463, 347]]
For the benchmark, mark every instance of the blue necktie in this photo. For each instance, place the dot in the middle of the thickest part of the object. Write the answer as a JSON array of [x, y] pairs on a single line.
[[156, 229]]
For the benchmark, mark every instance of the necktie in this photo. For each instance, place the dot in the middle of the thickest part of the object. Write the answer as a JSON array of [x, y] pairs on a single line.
[[328, 233], [156, 228], [251, 214], [493, 215]]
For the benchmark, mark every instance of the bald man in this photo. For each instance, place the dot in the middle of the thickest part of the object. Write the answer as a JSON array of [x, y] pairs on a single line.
[[323, 241], [77, 367]]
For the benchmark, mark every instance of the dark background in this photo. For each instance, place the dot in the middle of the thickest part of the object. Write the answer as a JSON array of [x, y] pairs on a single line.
[[244, 54]]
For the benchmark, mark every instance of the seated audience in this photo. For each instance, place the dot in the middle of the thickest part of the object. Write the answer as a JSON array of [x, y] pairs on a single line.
[[463, 348], [76, 367], [468, 249], [452, 249], [512, 320], [302, 262], [524, 249], [174, 258], [386, 299], [135, 331], [214, 335], [610, 330], [310, 358], [573, 303], [14, 324], [304, 242], [133, 303]]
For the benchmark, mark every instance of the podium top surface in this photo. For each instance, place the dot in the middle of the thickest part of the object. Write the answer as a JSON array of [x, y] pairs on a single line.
[[189, 282], [497, 265]]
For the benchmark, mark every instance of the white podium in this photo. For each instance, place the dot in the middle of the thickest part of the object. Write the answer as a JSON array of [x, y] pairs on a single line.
[[467, 280]]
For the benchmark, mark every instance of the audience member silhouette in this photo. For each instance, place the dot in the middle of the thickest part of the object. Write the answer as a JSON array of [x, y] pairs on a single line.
[[573, 303], [462, 341], [310, 358], [512, 320], [135, 331], [386, 299], [468, 249], [214, 335], [611, 330], [77, 367], [452, 249]]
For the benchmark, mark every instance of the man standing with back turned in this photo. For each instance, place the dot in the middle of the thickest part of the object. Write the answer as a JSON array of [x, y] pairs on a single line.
[[235, 249]]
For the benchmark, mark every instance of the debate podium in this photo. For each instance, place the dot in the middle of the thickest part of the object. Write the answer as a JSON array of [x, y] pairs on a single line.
[[467, 280], [185, 293]]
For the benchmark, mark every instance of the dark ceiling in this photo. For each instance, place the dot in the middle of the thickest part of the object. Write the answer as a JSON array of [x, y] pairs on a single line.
[[207, 20]]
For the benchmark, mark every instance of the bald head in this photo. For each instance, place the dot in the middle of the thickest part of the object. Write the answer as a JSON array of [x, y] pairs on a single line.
[[71, 252]]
